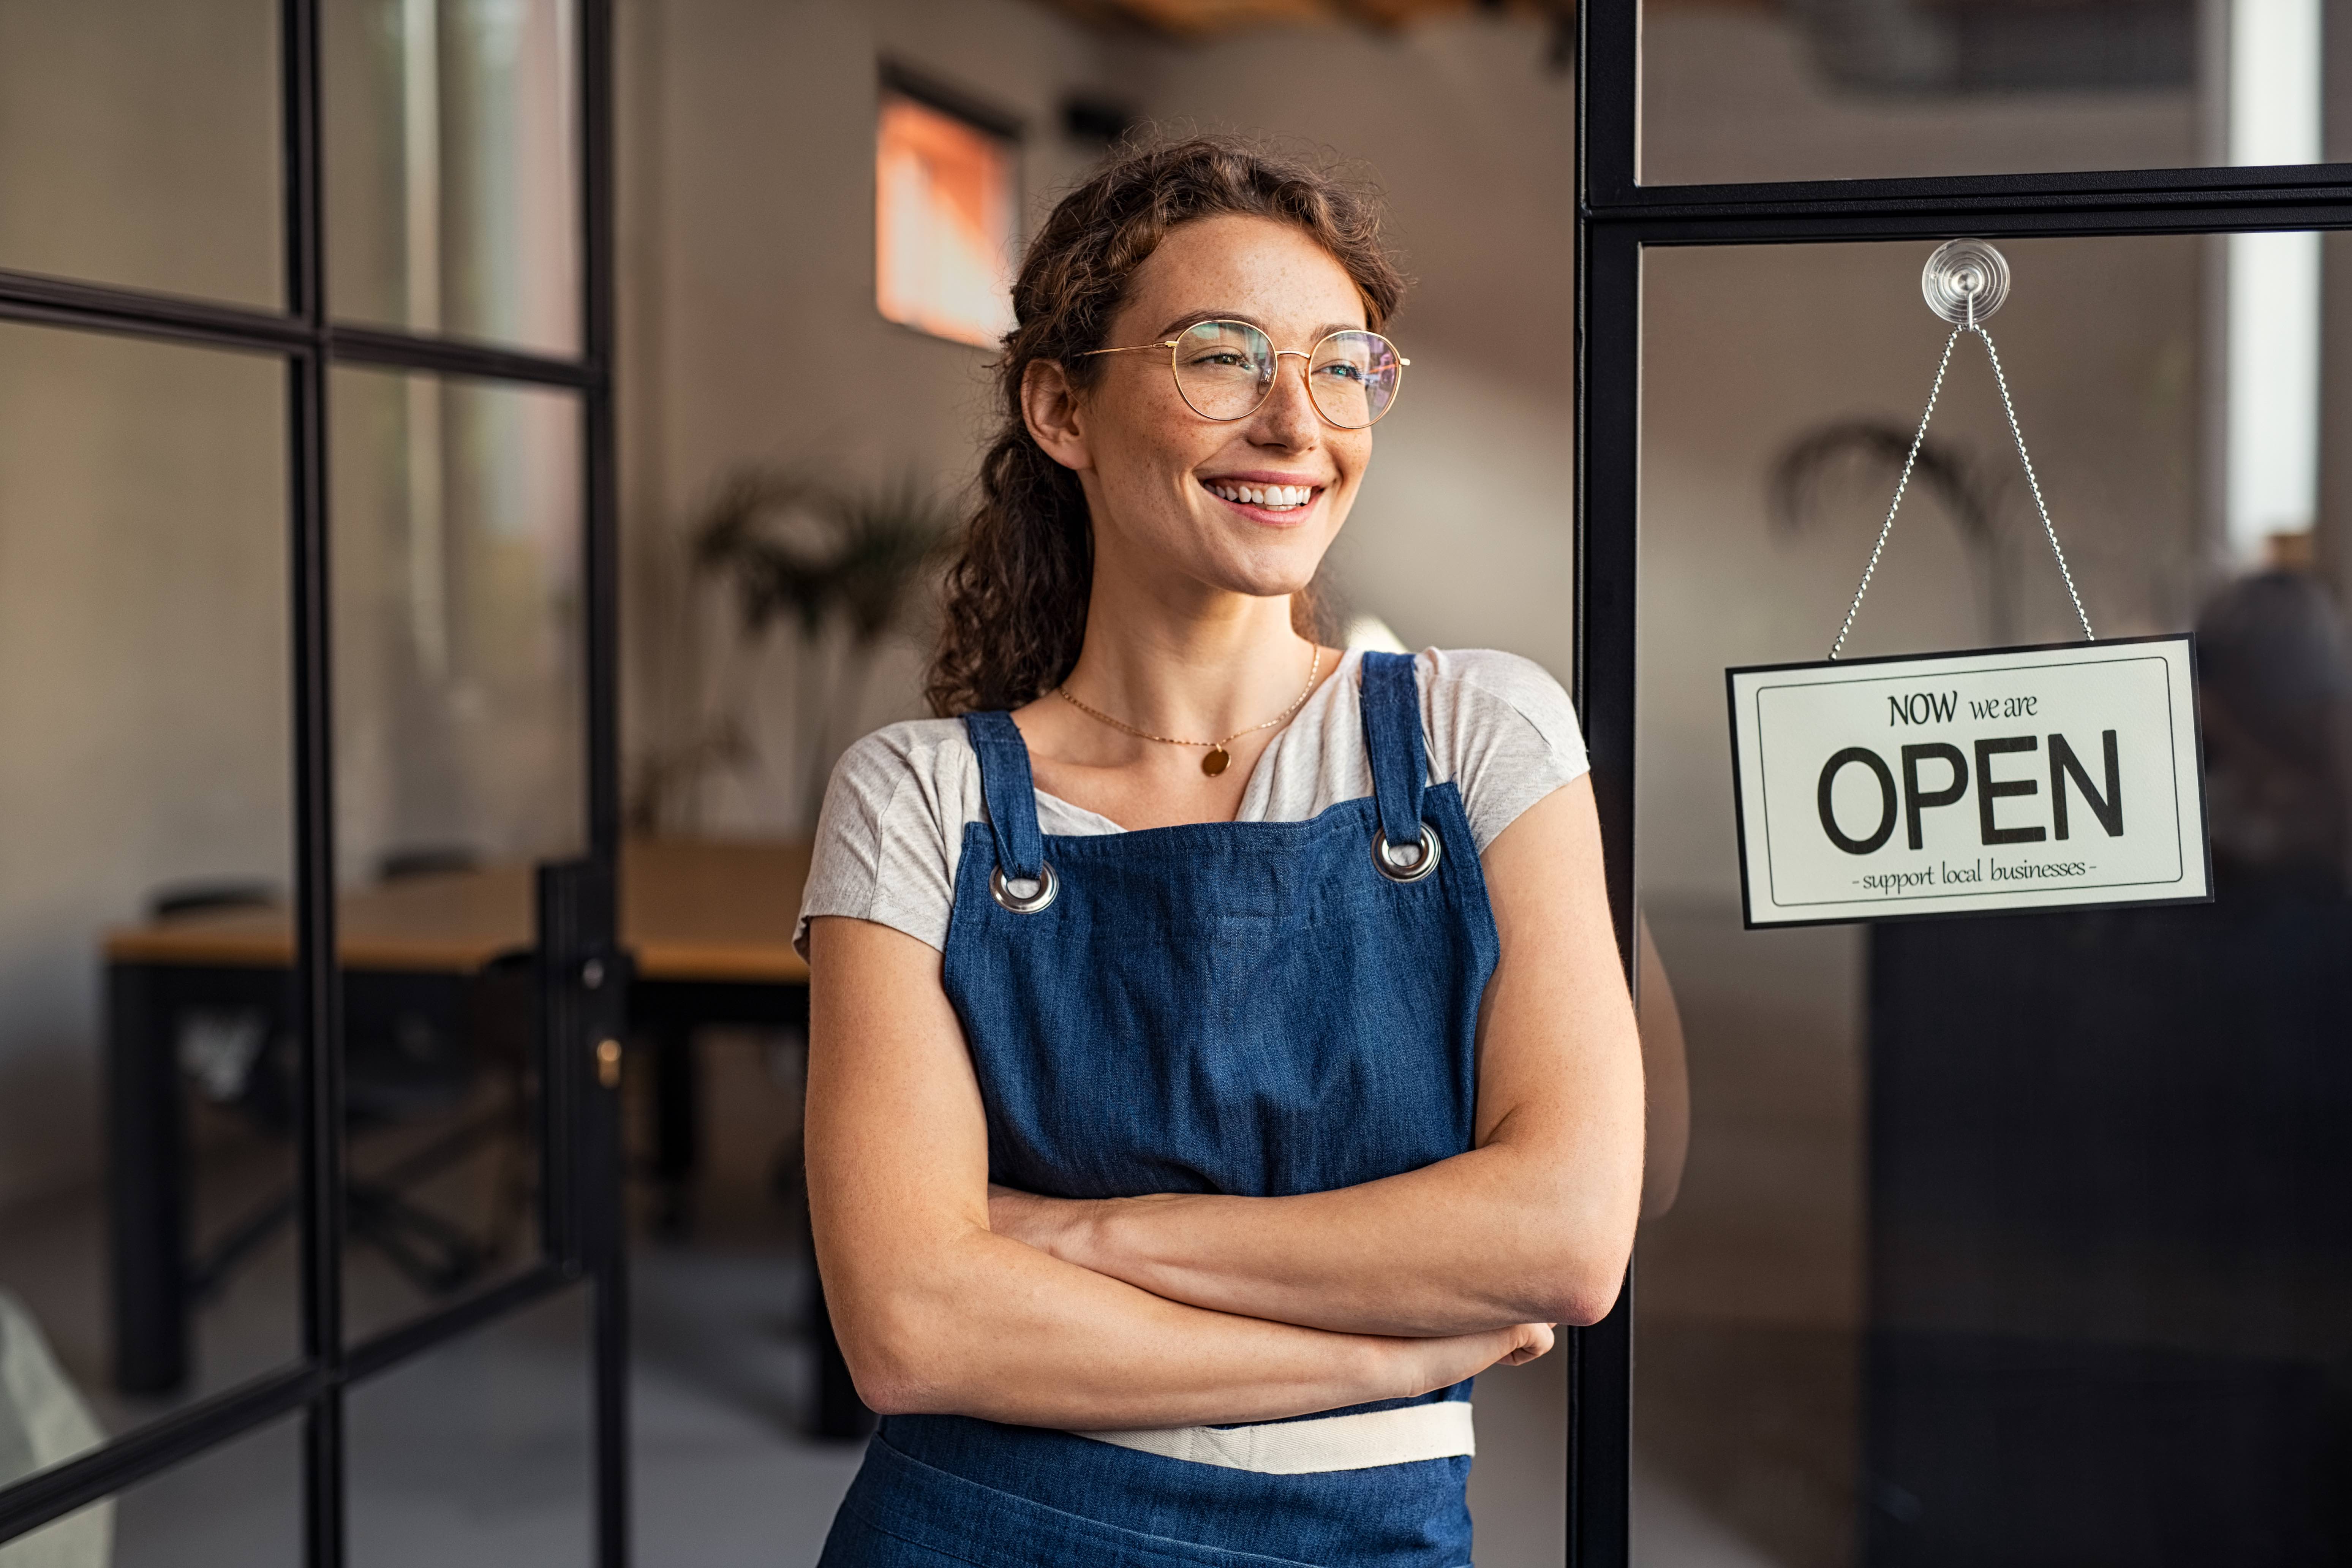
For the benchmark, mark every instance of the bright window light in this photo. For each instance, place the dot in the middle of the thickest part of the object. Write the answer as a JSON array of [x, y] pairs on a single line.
[[943, 199], [2271, 433]]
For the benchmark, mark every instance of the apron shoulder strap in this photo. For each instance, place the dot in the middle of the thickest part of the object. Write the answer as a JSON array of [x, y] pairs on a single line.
[[1392, 739], [1005, 784]]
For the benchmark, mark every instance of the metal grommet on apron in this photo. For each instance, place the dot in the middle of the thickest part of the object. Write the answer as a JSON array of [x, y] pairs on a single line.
[[1399, 778], [1413, 867], [1041, 892], [1243, 1007], [1019, 858]]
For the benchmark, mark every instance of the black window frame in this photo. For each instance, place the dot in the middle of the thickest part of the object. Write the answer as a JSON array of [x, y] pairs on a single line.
[[581, 969], [1618, 217]]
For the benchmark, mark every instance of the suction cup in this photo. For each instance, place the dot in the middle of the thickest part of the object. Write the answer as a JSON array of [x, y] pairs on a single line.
[[1963, 271]]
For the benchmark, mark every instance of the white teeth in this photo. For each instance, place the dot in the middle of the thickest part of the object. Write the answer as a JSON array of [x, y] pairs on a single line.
[[1274, 498]]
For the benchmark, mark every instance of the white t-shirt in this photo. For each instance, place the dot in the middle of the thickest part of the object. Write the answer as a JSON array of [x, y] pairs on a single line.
[[887, 840]]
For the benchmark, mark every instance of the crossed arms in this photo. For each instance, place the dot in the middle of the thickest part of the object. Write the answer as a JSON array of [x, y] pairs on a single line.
[[1183, 1310]]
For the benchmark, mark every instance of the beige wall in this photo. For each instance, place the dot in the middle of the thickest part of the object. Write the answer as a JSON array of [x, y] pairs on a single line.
[[144, 689], [142, 633], [749, 328], [1463, 537], [139, 145], [749, 331], [1730, 93]]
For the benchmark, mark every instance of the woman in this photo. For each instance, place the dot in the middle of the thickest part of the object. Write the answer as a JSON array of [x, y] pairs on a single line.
[[1218, 1048]]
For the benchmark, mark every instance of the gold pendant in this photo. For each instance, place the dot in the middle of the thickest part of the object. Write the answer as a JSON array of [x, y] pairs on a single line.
[[1214, 762]]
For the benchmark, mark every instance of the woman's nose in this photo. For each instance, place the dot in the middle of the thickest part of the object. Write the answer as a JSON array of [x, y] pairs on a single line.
[[1287, 417]]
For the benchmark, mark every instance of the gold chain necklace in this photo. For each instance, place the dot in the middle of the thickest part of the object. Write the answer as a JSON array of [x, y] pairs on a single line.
[[1214, 762]]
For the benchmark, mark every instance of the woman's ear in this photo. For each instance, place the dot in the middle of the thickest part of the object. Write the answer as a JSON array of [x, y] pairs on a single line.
[[1049, 406]]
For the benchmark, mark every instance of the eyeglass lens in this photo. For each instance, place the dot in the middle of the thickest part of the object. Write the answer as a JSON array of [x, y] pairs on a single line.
[[1225, 369]]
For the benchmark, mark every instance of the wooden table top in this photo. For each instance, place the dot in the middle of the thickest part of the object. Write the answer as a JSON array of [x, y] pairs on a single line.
[[692, 909]]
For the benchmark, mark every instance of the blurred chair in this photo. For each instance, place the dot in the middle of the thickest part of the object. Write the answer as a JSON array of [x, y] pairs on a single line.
[[427, 860], [416, 1049], [43, 1421]]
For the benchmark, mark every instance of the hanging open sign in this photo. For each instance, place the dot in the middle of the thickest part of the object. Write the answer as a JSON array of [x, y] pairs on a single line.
[[2024, 778], [1955, 784]]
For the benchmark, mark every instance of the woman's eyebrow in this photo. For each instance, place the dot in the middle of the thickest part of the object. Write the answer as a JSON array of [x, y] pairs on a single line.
[[1194, 318]]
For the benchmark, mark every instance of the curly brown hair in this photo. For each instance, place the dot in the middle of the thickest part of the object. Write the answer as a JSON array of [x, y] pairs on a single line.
[[1015, 610]]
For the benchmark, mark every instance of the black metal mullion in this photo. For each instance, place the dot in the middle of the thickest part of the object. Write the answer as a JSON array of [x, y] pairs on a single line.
[[76, 1483], [1608, 104], [317, 981], [62, 301], [412, 1339], [598, 328], [595, 1106], [1767, 225], [355, 344], [1607, 497], [2217, 184]]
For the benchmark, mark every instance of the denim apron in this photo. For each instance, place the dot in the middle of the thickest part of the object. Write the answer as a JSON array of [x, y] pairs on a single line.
[[1261, 1009]]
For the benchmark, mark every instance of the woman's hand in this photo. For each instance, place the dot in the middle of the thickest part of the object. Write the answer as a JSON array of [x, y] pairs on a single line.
[[1431, 1365]]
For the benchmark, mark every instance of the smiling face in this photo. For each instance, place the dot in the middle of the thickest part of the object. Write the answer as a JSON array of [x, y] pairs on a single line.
[[1247, 507]]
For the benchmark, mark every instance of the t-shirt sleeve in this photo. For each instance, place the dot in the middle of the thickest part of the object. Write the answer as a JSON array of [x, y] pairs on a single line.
[[889, 833], [1503, 730]]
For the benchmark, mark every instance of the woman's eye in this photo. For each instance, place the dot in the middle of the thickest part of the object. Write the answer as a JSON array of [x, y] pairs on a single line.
[[1222, 360], [1345, 372]]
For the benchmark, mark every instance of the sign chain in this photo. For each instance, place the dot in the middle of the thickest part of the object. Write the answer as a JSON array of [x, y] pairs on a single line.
[[2034, 485], [1970, 324]]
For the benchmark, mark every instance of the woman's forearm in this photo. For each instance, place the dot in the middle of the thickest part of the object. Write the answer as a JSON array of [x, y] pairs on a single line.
[[940, 1312], [984, 1325], [1468, 1245]]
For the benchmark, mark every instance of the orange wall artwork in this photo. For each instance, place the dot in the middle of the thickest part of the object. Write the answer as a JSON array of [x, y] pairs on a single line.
[[943, 223]]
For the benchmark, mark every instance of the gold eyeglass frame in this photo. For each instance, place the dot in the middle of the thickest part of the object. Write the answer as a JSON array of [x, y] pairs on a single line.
[[1172, 345]]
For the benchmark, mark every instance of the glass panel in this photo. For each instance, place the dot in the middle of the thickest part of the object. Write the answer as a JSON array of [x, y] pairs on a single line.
[[1518, 1501], [1907, 88], [2018, 1227], [459, 766], [452, 167], [726, 1387], [479, 1452], [236, 1505], [145, 1047], [139, 145]]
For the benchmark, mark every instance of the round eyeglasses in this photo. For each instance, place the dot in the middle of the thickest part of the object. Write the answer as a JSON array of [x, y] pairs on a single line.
[[1226, 371]]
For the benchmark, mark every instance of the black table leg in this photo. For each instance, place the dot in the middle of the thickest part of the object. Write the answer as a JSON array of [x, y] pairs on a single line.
[[147, 1190], [664, 1014], [678, 1122]]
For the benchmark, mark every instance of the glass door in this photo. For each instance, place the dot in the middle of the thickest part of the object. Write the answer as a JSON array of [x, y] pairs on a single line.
[[307, 890], [2007, 1238]]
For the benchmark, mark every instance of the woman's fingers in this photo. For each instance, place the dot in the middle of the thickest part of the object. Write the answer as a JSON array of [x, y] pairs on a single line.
[[1529, 1341]]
